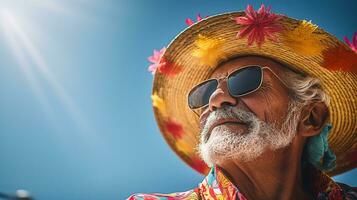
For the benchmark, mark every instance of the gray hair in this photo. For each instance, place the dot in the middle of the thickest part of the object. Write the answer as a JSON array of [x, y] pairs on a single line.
[[305, 89]]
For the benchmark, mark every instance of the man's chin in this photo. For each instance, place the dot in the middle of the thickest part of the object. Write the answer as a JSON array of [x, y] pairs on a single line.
[[220, 154]]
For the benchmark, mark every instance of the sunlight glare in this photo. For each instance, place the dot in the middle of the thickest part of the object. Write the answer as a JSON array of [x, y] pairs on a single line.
[[23, 48]]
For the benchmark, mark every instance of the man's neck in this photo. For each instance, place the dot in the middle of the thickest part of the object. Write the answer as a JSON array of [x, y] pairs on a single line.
[[275, 175]]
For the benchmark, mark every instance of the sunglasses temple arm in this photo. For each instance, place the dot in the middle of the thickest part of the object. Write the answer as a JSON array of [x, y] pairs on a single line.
[[276, 76], [195, 112]]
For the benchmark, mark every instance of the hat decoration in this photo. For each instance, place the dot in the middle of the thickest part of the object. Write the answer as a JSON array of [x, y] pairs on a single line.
[[170, 125], [159, 104], [161, 64], [304, 39], [174, 128], [190, 22], [353, 43], [259, 25], [208, 50], [155, 60], [347, 61], [258, 30]]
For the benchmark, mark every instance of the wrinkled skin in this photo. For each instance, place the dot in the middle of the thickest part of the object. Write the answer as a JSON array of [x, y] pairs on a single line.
[[275, 174]]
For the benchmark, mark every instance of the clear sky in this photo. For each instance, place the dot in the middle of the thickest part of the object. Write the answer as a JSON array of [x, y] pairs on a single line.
[[76, 120]]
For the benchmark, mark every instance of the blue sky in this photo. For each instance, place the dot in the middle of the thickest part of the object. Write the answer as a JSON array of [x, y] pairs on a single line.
[[76, 120]]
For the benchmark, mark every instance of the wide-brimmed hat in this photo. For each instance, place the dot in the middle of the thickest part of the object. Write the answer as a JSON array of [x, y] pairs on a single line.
[[195, 53]]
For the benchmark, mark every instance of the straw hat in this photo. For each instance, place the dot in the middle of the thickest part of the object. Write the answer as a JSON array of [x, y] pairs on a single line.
[[194, 54]]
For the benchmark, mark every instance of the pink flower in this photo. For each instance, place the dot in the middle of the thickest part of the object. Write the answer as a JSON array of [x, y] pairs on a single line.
[[189, 21], [353, 43], [259, 25], [155, 60]]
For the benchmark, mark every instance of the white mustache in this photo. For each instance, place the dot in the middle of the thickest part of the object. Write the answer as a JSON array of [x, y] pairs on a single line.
[[226, 112]]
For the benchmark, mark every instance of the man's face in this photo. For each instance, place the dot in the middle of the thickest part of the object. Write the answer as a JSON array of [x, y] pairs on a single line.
[[244, 128]]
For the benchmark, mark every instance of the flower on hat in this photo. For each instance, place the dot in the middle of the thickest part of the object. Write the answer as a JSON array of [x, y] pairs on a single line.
[[208, 50], [168, 68], [155, 60], [304, 40], [174, 128], [259, 25], [340, 58], [198, 164], [159, 104], [162, 65], [184, 147], [189, 21], [353, 43]]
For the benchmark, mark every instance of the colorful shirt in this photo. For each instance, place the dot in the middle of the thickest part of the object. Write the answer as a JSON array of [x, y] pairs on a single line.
[[216, 186]]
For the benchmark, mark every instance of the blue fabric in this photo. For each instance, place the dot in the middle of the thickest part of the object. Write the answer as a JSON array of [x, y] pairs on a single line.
[[318, 153], [211, 177]]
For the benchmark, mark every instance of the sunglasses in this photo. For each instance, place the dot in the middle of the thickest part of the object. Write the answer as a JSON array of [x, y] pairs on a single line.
[[240, 82]]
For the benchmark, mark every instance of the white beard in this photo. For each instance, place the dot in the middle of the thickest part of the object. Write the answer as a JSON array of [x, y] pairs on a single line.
[[223, 144]]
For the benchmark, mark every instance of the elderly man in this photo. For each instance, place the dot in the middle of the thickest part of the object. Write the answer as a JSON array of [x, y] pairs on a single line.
[[267, 102]]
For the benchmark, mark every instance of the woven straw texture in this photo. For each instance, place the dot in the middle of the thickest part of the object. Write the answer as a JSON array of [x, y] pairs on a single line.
[[341, 86]]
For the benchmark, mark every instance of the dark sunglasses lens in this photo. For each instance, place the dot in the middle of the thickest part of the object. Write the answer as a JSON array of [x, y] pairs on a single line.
[[199, 96], [245, 80]]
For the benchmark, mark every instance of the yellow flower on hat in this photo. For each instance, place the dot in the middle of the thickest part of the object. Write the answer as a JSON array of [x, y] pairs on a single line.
[[159, 103], [208, 50], [304, 40], [183, 146]]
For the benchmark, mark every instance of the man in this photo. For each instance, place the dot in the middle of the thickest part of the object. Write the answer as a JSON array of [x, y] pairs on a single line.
[[266, 101]]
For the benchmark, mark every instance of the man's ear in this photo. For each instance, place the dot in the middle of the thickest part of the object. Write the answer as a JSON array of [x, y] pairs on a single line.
[[313, 118]]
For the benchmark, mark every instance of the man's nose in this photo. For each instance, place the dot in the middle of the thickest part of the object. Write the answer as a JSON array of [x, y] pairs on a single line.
[[220, 97]]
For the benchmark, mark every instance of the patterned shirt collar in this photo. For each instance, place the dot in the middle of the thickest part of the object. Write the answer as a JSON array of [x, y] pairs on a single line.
[[217, 186]]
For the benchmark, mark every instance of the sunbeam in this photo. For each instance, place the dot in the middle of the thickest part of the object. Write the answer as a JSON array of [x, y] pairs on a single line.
[[24, 48], [74, 10], [23, 64]]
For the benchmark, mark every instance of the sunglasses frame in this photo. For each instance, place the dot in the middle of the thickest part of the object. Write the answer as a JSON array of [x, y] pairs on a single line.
[[229, 75]]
